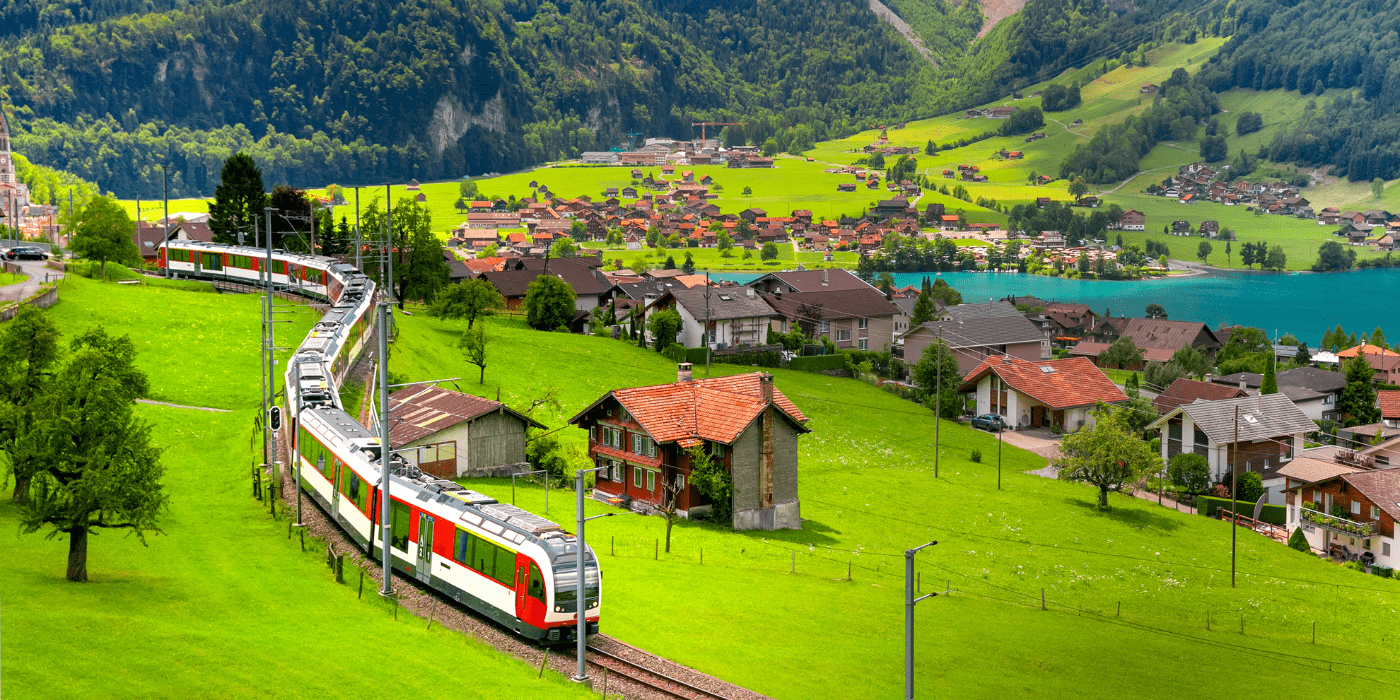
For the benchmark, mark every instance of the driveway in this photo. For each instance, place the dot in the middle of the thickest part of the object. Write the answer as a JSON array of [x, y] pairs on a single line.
[[36, 272]]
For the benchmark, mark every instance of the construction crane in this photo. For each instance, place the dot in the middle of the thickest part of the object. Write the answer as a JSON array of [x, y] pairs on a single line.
[[632, 140], [702, 126]]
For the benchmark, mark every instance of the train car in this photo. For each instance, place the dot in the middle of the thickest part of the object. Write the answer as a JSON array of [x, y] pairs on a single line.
[[504, 562], [515, 567]]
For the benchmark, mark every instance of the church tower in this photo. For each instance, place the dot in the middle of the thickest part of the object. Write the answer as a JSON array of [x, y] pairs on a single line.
[[7, 161]]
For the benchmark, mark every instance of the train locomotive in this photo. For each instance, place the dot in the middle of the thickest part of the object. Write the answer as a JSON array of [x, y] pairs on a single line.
[[510, 565]]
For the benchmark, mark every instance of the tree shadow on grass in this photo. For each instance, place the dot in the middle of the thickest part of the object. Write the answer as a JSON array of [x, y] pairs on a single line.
[[1119, 511]]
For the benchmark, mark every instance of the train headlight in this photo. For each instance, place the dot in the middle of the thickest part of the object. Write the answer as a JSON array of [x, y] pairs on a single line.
[[558, 608]]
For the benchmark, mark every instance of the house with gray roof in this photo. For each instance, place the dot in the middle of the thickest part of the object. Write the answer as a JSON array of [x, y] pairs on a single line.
[[973, 340], [1268, 433], [717, 317], [855, 319], [993, 309], [1314, 391]]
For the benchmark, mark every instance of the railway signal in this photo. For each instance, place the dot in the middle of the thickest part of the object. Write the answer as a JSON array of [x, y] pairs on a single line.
[[274, 418]]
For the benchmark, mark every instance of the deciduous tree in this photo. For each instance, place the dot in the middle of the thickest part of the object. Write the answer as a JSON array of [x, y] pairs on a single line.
[[472, 299], [549, 303], [1190, 472], [1108, 455], [1122, 353], [938, 360], [96, 466], [104, 233], [29, 344], [1156, 311], [664, 325], [473, 345]]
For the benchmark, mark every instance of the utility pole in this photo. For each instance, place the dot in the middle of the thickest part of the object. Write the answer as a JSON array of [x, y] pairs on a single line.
[[909, 601], [165, 201], [387, 562], [708, 349], [271, 354], [389, 238], [1234, 481], [937, 399], [358, 265], [1001, 428], [580, 594]]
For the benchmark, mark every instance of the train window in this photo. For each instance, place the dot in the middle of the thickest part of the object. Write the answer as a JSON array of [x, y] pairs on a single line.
[[535, 588], [505, 566], [211, 261], [483, 556], [462, 548], [177, 255], [398, 526]]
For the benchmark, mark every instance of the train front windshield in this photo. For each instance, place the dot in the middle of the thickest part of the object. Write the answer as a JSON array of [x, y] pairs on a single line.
[[566, 582]]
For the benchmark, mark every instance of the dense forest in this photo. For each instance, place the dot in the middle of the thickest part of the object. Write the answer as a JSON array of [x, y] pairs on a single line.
[[363, 90], [1312, 47]]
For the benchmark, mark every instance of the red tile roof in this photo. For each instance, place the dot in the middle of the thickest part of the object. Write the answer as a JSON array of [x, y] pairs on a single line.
[[1070, 382], [1390, 403], [716, 409]]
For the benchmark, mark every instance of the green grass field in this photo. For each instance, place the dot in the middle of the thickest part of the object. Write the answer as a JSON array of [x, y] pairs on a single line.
[[868, 493], [222, 604], [7, 279]]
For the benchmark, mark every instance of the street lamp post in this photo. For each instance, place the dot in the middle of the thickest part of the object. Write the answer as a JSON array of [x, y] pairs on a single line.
[[580, 601], [909, 601]]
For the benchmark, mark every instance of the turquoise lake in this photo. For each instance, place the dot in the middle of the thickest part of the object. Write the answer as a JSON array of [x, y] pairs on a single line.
[[1305, 305]]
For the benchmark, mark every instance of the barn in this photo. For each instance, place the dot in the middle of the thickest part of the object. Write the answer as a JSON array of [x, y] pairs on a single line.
[[450, 434]]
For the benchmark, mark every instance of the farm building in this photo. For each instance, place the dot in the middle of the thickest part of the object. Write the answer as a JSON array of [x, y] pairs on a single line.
[[642, 437], [451, 434]]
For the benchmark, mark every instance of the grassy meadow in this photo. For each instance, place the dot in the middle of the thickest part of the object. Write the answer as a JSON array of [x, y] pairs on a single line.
[[868, 492], [222, 604]]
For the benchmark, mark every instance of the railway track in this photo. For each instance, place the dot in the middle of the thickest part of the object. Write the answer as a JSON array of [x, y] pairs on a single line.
[[651, 679]]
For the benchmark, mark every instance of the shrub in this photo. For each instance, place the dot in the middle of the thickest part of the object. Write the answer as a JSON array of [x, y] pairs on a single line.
[[1299, 542], [676, 352], [769, 358], [696, 356], [1382, 571], [1249, 487], [975, 455]]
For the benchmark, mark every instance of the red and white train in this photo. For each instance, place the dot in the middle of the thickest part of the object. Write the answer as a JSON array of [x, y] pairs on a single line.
[[502, 561]]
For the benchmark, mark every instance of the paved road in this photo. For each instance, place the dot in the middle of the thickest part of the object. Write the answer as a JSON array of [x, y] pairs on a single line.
[[37, 274]]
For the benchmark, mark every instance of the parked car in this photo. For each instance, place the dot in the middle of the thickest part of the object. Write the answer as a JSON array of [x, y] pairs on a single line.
[[26, 253], [990, 422]]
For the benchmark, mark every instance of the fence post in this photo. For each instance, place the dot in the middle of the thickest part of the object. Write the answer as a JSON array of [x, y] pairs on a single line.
[[613, 545], [340, 569], [794, 562], [702, 556], [1314, 641], [1042, 599], [361, 594], [543, 661], [656, 555], [848, 570]]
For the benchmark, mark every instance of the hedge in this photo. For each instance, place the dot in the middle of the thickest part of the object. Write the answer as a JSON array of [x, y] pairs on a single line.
[[818, 363], [770, 358], [1270, 513], [696, 356]]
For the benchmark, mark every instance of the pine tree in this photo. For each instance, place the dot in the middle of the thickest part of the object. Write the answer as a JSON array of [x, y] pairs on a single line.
[[1270, 383], [924, 309], [239, 200]]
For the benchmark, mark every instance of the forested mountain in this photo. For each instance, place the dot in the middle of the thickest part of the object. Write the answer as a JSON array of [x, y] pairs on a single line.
[[363, 91], [1314, 46]]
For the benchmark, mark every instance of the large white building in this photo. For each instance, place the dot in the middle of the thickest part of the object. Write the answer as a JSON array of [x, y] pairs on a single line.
[[13, 193]]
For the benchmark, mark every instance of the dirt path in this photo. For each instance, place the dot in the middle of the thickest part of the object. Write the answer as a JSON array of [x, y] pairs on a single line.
[[149, 402], [1134, 177], [885, 13], [1066, 126], [996, 11]]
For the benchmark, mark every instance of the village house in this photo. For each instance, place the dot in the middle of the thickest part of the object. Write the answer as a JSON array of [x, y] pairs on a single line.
[[642, 437], [973, 340], [717, 317], [1158, 338], [853, 319], [1184, 391], [1314, 391], [1345, 509], [826, 279], [450, 434], [1386, 363], [1132, 220], [1035, 394], [1270, 432]]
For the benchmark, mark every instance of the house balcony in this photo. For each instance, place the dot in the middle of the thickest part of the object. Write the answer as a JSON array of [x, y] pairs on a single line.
[[1342, 526]]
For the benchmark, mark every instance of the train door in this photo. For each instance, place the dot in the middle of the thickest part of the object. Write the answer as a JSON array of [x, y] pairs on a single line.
[[529, 591], [425, 546], [335, 487]]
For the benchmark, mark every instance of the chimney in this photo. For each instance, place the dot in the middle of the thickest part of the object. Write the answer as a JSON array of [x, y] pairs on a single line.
[[750, 292], [765, 385], [1209, 377], [826, 276], [1242, 382], [683, 372]]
